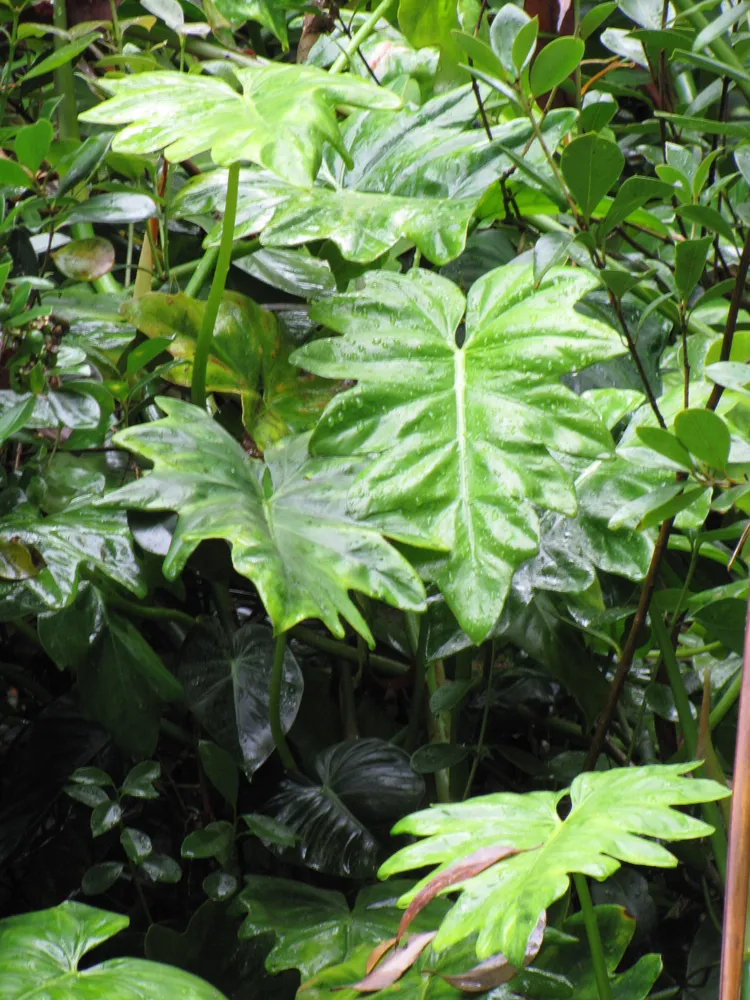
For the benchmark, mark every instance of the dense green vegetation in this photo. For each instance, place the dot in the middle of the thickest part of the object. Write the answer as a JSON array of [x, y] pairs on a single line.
[[375, 434]]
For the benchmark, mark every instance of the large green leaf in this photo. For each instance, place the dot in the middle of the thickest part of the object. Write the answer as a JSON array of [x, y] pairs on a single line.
[[315, 928], [418, 175], [295, 541], [122, 681], [281, 119], [249, 358], [462, 435], [227, 687], [364, 784], [611, 814], [70, 544], [572, 958], [40, 954]]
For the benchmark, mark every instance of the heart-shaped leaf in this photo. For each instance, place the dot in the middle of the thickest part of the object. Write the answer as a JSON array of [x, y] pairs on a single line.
[[40, 953], [227, 684], [363, 784]]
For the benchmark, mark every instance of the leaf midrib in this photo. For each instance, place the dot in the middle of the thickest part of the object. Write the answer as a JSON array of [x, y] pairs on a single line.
[[463, 461]]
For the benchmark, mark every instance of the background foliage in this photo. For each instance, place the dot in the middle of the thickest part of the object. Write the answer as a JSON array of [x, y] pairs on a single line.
[[375, 435]]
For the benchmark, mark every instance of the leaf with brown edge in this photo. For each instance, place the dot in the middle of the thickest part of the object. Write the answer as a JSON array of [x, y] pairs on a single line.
[[391, 970], [497, 970], [377, 953], [470, 866]]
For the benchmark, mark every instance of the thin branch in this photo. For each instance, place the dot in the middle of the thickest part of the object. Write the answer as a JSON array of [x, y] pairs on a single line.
[[732, 315], [631, 644]]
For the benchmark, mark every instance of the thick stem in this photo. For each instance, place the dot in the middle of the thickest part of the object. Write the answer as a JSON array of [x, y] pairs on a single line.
[[603, 986], [419, 688], [359, 36], [738, 866], [202, 271], [383, 664], [205, 336], [631, 644], [274, 705]]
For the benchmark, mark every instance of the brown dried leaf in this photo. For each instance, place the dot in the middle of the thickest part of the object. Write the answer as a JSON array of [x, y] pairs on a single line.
[[377, 953], [497, 969], [472, 865], [390, 970]]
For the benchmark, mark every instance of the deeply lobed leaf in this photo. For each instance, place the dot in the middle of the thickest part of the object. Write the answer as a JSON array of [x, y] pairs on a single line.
[[281, 119], [460, 439], [612, 813], [298, 545]]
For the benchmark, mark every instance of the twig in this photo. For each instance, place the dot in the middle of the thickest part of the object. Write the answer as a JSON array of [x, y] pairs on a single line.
[[731, 324], [631, 644]]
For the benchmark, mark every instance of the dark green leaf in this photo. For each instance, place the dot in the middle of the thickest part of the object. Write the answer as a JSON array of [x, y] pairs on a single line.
[[437, 756], [213, 841], [139, 783], [162, 869], [268, 829], [633, 194], [220, 886], [71, 543], [14, 419], [709, 218], [221, 770], [105, 817], [136, 844], [363, 782], [725, 620], [114, 208], [100, 878], [314, 928], [227, 684], [65, 54]]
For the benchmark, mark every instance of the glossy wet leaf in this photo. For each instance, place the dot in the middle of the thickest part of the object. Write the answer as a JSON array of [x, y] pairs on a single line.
[[461, 435], [362, 784], [298, 545], [85, 260], [464, 869], [227, 682], [315, 928], [610, 817], [280, 121], [497, 969], [572, 958], [212, 841], [123, 682], [40, 953], [268, 13], [114, 208], [99, 878], [249, 358], [418, 176], [71, 544]]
